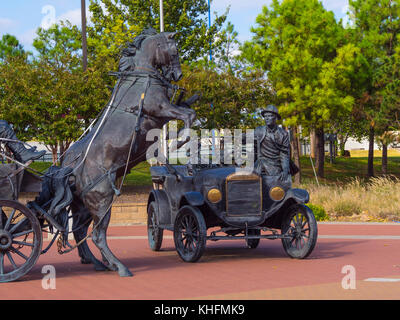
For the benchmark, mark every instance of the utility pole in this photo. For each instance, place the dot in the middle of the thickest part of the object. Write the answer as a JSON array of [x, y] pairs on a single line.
[[212, 131], [161, 16], [209, 25], [165, 128], [84, 39]]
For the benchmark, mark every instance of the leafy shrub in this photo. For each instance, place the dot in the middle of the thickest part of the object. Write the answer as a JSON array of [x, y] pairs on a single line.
[[319, 212]]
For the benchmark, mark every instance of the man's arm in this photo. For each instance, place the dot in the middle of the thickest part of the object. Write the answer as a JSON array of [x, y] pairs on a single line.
[[284, 154]]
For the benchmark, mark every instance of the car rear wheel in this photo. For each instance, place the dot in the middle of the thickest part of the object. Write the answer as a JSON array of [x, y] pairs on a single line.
[[301, 227], [190, 234], [154, 232]]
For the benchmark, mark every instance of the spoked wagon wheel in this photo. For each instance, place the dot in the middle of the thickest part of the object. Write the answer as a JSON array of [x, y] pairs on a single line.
[[20, 240], [190, 233], [155, 234], [300, 225]]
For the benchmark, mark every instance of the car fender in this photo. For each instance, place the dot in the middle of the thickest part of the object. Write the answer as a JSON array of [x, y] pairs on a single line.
[[298, 195], [193, 198], [292, 196], [163, 206]]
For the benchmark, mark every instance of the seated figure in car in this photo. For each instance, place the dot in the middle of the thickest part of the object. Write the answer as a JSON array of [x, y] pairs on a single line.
[[273, 149]]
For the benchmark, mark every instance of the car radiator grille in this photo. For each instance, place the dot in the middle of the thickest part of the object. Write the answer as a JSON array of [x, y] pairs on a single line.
[[243, 197]]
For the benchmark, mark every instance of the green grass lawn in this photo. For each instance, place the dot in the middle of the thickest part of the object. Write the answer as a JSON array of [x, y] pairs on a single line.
[[342, 170], [345, 169]]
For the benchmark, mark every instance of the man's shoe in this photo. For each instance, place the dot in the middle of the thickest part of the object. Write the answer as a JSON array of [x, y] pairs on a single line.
[[29, 154]]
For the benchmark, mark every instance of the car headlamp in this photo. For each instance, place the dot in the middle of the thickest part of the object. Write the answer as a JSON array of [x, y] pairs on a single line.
[[214, 195], [276, 193]]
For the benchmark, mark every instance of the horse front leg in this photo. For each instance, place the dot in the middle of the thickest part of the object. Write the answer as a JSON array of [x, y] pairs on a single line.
[[81, 222], [185, 114], [100, 240], [174, 112]]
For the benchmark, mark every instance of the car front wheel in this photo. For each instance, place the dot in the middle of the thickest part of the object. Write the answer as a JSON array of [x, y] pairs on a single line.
[[300, 227], [190, 234]]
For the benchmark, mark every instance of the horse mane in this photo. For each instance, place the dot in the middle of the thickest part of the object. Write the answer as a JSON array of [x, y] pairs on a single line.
[[127, 62]]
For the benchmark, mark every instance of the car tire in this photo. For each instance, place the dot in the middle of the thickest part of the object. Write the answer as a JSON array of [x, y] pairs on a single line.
[[154, 232], [300, 224], [190, 234]]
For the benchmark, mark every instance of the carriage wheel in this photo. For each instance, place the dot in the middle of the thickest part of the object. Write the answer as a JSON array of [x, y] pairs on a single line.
[[253, 243], [155, 234], [190, 234], [20, 240], [301, 226]]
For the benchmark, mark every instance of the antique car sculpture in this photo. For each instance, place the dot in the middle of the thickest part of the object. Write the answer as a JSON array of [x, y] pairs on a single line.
[[189, 200]]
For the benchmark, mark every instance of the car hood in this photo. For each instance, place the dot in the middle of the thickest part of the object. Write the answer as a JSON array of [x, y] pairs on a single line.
[[212, 177]]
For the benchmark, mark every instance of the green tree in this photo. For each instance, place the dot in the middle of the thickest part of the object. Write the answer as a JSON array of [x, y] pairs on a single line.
[[303, 50], [376, 32], [50, 98], [10, 46], [227, 101], [117, 22]]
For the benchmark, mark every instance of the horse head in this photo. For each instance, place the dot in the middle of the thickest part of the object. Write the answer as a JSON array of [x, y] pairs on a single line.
[[155, 51], [169, 58]]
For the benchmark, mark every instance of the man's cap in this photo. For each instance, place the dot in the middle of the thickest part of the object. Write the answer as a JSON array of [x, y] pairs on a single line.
[[271, 109]]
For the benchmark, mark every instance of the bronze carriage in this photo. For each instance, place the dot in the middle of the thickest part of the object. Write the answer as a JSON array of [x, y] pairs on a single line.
[[20, 229]]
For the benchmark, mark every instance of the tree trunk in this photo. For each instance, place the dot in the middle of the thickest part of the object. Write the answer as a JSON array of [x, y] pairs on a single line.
[[371, 152], [54, 149], [384, 158], [320, 152], [296, 153], [312, 144], [342, 143], [64, 145], [62, 149]]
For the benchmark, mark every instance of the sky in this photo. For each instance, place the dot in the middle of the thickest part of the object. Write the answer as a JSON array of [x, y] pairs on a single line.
[[21, 18]]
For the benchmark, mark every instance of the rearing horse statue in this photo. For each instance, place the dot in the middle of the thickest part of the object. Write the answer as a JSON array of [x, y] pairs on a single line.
[[140, 102]]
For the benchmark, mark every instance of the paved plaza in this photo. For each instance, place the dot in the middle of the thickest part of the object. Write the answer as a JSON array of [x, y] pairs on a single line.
[[228, 270]]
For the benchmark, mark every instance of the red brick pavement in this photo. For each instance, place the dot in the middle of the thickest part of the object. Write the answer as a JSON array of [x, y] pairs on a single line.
[[228, 270]]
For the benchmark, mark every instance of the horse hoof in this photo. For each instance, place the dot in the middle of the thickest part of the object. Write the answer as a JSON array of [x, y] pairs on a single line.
[[112, 267], [125, 273]]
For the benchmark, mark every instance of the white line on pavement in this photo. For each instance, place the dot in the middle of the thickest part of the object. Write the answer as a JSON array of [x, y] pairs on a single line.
[[361, 237], [341, 237], [382, 280]]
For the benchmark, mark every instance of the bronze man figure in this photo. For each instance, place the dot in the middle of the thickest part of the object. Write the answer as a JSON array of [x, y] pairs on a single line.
[[273, 148], [18, 149]]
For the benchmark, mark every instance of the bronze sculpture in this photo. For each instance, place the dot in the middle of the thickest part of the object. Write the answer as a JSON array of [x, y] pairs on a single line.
[[22, 154], [273, 148], [238, 204], [84, 184], [140, 102]]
